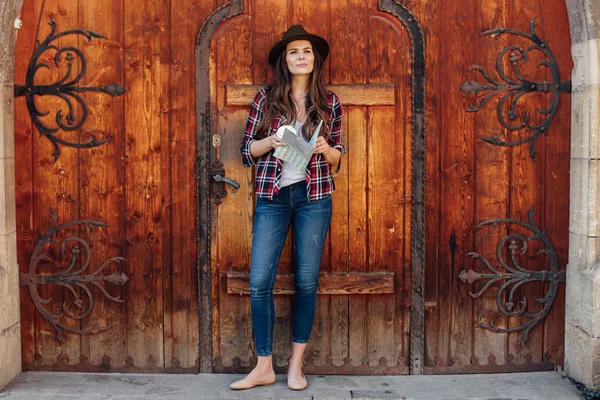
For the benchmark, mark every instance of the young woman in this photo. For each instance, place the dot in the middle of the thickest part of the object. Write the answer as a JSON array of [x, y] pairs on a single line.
[[287, 194]]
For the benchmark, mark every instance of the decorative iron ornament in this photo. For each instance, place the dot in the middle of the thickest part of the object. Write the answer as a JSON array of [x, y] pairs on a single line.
[[65, 88], [517, 275], [514, 89], [69, 279]]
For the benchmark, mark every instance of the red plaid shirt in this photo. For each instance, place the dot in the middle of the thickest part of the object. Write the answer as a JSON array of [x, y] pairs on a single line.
[[319, 182]]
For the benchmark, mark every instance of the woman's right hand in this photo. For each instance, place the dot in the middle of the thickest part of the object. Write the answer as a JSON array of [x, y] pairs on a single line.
[[274, 141], [265, 145]]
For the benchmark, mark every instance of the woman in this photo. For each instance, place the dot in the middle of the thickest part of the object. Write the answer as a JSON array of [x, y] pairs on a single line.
[[285, 194]]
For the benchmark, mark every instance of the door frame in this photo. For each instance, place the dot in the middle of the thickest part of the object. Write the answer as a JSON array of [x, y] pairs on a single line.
[[205, 125]]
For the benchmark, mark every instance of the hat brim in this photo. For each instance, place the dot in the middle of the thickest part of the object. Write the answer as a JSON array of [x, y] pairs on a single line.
[[319, 44]]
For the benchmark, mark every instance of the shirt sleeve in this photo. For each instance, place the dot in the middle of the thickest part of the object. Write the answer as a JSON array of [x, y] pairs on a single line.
[[335, 135], [254, 118]]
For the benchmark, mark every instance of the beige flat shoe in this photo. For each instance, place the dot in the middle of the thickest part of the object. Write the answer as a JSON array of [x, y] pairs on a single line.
[[297, 382], [267, 379]]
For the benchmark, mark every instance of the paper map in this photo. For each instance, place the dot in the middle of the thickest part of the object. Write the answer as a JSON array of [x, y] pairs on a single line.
[[298, 151]]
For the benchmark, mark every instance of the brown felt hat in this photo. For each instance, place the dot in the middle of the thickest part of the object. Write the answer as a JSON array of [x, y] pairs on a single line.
[[297, 32]]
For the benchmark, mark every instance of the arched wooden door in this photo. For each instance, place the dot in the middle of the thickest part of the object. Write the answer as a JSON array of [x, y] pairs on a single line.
[[363, 309]]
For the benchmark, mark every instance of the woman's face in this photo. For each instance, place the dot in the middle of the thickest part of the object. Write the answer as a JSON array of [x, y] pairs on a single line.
[[299, 57]]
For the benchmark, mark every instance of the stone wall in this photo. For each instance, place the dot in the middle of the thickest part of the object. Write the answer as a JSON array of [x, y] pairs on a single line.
[[582, 330], [10, 328]]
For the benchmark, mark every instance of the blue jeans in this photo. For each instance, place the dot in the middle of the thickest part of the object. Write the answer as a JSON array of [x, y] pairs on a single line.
[[272, 219]]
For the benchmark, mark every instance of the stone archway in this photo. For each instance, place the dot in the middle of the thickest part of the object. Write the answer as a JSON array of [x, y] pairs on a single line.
[[582, 314], [583, 289], [10, 327]]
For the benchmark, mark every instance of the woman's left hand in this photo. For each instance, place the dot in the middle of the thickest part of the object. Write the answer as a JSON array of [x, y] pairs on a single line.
[[322, 146]]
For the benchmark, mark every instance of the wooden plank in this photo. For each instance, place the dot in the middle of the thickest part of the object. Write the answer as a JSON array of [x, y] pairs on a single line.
[[338, 283], [429, 16], [339, 231], [24, 133], [457, 175], [144, 206], [350, 94], [556, 30], [102, 177], [386, 201], [527, 188], [356, 146], [56, 185], [180, 290], [233, 217], [491, 188]]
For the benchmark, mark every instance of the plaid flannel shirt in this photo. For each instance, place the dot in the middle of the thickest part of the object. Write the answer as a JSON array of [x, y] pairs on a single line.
[[319, 181]]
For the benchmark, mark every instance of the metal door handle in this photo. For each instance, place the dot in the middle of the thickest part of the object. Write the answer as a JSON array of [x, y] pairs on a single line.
[[219, 178]]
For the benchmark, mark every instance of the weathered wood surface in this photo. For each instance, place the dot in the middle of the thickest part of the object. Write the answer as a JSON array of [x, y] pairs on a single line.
[[238, 283], [142, 183], [350, 95]]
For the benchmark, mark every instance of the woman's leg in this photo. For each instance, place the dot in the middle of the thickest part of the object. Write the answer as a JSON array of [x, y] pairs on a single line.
[[311, 223], [271, 223]]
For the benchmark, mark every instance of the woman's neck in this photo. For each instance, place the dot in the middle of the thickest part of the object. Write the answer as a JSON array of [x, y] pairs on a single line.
[[300, 85]]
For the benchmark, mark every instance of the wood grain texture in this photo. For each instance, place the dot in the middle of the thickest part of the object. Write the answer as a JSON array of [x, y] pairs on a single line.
[[142, 183], [350, 94], [491, 196], [143, 180], [334, 283], [57, 186], [102, 178], [24, 136]]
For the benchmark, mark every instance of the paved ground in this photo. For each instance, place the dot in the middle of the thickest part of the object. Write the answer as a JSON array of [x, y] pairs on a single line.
[[72, 386]]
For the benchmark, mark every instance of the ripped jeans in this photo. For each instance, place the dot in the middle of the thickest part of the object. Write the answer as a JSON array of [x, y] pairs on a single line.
[[272, 219]]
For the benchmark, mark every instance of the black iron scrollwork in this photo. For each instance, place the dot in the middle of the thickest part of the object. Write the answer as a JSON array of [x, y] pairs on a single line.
[[517, 275], [71, 249], [65, 88], [514, 89]]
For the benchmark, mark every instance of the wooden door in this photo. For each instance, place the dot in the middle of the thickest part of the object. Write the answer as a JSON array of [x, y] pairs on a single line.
[[188, 258], [363, 307]]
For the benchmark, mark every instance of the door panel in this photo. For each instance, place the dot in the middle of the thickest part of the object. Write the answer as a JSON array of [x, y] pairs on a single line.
[[353, 332]]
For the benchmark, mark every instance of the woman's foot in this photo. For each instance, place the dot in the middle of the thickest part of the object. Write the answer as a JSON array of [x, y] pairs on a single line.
[[257, 377], [296, 381]]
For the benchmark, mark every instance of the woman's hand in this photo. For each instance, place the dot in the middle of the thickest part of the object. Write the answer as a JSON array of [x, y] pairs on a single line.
[[263, 146], [322, 146], [274, 141]]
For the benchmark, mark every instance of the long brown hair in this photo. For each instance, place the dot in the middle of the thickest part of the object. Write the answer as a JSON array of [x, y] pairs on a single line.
[[279, 99]]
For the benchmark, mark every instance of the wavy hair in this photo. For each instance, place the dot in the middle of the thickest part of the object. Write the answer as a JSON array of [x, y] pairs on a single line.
[[279, 99]]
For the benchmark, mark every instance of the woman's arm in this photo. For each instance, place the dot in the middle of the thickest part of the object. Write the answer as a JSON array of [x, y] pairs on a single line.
[[331, 154], [260, 147]]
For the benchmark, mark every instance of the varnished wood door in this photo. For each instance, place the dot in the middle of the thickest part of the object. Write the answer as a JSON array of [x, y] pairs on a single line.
[[363, 307]]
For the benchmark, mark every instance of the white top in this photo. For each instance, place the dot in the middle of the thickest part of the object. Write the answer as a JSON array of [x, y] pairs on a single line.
[[289, 173]]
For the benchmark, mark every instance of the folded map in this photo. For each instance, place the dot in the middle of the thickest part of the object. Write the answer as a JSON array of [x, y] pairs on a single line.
[[298, 151]]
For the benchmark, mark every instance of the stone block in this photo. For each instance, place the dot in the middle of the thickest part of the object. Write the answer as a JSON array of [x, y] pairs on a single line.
[[579, 196], [582, 356], [593, 198], [577, 21], [9, 11], [580, 122], [10, 354], [582, 308], [8, 204], [593, 249], [7, 121], [592, 14], [593, 127], [578, 249], [586, 64], [9, 282]]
